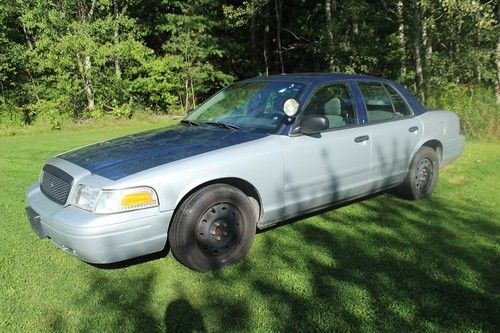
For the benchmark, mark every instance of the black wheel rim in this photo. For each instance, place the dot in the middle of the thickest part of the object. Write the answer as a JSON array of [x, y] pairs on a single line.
[[218, 228], [424, 174]]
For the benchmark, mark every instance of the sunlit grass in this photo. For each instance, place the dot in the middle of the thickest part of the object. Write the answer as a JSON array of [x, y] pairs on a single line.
[[377, 265]]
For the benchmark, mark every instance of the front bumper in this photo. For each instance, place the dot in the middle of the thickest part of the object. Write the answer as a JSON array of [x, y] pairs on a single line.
[[97, 238]]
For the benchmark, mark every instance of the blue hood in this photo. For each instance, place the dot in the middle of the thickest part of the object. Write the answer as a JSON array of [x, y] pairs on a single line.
[[121, 157]]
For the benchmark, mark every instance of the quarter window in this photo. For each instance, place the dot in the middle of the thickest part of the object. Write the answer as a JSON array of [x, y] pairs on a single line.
[[335, 102], [400, 107]]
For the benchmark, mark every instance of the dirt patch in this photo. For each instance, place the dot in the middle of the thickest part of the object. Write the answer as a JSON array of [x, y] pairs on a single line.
[[459, 180]]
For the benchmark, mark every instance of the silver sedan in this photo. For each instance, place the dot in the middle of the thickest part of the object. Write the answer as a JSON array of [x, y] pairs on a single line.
[[257, 153]]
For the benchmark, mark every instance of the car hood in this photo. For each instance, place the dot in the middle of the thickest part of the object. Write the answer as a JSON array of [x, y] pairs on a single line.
[[121, 157]]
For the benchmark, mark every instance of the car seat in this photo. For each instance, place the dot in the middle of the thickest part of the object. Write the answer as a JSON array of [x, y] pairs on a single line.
[[333, 112]]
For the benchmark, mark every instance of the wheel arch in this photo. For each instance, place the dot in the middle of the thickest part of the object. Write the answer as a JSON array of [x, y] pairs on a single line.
[[244, 186], [437, 146]]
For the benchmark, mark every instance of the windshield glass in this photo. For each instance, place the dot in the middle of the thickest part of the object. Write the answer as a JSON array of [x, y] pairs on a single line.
[[248, 105]]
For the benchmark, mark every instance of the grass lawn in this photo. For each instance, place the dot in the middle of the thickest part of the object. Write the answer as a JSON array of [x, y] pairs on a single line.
[[382, 264]]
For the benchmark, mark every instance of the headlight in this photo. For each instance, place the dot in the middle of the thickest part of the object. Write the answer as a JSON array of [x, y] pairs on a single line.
[[114, 201]]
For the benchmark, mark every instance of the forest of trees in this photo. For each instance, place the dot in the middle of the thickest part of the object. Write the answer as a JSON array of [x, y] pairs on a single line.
[[88, 58]]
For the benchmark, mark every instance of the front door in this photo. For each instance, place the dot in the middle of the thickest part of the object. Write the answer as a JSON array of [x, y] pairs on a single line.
[[332, 165]]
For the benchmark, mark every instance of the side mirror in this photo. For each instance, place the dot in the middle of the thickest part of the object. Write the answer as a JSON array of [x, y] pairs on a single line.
[[314, 123], [291, 107]]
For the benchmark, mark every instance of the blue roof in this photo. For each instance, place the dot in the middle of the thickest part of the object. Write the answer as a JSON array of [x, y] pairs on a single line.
[[314, 77]]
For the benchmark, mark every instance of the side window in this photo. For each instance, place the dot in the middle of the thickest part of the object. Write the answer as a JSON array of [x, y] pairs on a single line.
[[383, 102], [377, 101], [335, 102], [400, 107]]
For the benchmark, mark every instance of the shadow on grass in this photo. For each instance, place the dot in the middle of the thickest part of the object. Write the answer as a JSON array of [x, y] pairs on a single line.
[[383, 264], [402, 267], [388, 264], [180, 316], [116, 306]]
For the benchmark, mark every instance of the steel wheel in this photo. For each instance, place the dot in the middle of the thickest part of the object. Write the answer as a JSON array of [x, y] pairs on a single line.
[[424, 174], [217, 229], [212, 228]]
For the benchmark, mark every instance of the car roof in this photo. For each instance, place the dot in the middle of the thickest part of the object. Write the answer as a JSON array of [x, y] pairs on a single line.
[[315, 77]]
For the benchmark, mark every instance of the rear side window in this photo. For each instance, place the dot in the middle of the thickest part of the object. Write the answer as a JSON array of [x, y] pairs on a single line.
[[382, 102]]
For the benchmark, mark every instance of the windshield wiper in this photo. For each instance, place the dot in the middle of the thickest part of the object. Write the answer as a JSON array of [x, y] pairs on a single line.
[[189, 122], [223, 125]]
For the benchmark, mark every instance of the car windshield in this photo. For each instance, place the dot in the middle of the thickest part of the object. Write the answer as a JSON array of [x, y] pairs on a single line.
[[247, 105]]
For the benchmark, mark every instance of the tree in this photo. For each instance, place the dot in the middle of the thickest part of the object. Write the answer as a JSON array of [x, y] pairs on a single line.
[[73, 43], [329, 7], [417, 47], [195, 46], [497, 56], [13, 49], [87, 57]]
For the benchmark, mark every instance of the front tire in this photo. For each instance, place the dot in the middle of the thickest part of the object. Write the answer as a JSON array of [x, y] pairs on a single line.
[[212, 228], [423, 175]]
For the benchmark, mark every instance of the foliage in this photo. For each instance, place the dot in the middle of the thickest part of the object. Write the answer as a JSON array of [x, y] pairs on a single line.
[[156, 84], [475, 105], [381, 264], [93, 57]]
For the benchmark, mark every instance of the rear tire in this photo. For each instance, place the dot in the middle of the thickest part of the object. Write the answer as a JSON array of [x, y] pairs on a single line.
[[422, 177], [212, 228]]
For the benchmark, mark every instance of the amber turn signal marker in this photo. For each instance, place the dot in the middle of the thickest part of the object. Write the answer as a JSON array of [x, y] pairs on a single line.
[[136, 199]]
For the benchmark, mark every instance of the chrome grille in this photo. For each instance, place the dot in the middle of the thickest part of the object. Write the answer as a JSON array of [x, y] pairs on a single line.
[[56, 184]]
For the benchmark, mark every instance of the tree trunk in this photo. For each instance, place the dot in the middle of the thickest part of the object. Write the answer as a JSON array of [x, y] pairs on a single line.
[[89, 89], [427, 45], [27, 36], [193, 98], [266, 33], [427, 24], [253, 39], [329, 28], [28, 71], [85, 67], [277, 7], [417, 47], [116, 36], [186, 89], [355, 23], [497, 60], [401, 38]]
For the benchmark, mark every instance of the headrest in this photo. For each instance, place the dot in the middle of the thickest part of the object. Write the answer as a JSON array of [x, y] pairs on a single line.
[[332, 107]]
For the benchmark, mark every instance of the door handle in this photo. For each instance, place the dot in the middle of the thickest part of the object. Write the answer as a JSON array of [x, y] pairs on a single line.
[[413, 129], [361, 138]]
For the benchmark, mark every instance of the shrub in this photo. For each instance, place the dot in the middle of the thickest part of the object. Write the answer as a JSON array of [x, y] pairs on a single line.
[[475, 105], [11, 116]]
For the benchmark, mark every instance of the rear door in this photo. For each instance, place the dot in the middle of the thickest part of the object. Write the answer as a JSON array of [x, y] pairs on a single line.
[[393, 129]]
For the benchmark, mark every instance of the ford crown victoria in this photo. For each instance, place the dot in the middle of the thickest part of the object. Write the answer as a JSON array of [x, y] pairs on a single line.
[[257, 153]]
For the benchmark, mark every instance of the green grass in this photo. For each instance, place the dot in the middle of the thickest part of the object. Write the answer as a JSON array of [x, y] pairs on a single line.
[[382, 264]]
